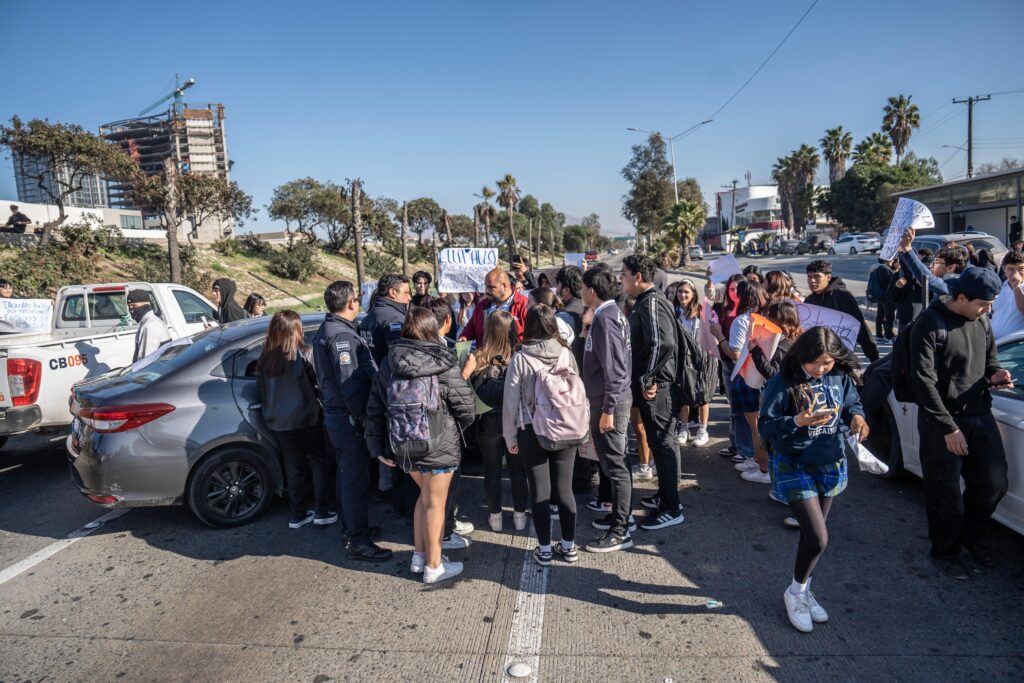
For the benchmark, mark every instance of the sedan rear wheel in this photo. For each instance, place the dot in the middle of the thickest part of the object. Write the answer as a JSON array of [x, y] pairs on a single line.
[[853, 251], [832, 251], [230, 488]]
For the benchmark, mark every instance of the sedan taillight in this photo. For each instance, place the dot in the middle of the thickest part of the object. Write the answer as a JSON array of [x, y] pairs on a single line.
[[23, 378], [122, 418]]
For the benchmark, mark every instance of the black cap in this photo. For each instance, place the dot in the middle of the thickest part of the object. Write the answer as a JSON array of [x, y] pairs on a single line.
[[139, 296], [976, 283]]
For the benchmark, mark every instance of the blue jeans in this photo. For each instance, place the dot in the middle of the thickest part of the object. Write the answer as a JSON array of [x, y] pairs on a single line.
[[739, 431]]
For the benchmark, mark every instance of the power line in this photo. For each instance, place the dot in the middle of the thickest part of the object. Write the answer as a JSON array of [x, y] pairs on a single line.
[[766, 60], [939, 124]]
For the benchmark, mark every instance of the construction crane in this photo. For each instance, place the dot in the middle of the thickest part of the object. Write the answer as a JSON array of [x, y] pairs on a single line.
[[176, 94]]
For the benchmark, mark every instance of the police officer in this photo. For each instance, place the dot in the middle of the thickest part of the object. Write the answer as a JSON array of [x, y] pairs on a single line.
[[344, 369], [383, 324]]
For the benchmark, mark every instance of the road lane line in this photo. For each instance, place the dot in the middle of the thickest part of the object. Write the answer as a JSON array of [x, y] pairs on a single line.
[[54, 548], [527, 630]]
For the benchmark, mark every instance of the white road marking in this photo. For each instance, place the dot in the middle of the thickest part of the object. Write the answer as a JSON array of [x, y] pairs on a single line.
[[524, 637], [54, 548]]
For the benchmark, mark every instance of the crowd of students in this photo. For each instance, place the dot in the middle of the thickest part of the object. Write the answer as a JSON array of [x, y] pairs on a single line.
[[558, 375]]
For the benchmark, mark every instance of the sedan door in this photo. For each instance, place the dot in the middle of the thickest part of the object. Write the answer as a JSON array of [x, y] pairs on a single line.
[[1008, 409]]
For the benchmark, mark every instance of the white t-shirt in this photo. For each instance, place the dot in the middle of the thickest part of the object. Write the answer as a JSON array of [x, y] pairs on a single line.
[[1006, 317]]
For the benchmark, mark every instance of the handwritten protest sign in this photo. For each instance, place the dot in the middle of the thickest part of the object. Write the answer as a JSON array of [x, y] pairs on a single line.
[[463, 269], [766, 335], [844, 325], [574, 258], [704, 338], [722, 268], [368, 289], [28, 315], [908, 214]]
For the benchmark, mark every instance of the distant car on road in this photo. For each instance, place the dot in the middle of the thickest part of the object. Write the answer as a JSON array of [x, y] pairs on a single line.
[[184, 429], [696, 253], [978, 240], [813, 244], [895, 440], [856, 243], [783, 247], [592, 255]]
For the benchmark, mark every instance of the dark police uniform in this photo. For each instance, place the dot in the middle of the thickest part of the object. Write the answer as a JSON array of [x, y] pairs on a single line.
[[382, 326], [345, 369]]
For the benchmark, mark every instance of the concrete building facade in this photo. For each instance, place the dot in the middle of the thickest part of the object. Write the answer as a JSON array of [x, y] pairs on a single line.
[[30, 172], [195, 140]]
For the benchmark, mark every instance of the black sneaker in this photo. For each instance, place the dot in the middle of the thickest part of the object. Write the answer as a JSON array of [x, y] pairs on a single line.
[[610, 542], [605, 523], [370, 552], [727, 452], [982, 555], [325, 519], [299, 521], [571, 555], [662, 519], [651, 502], [954, 568], [595, 505], [542, 558]]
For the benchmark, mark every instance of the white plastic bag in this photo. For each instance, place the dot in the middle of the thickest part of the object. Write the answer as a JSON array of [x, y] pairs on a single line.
[[866, 460]]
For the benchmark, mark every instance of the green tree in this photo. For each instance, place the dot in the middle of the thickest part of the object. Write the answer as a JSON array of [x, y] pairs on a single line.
[[784, 175], [874, 149], [864, 200], [836, 145], [901, 118], [424, 214], [650, 196], [805, 168], [60, 157], [485, 213], [689, 189], [684, 220], [508, 197]]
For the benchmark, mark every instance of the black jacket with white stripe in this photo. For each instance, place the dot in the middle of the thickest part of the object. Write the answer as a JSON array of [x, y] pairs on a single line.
[[652, 333]]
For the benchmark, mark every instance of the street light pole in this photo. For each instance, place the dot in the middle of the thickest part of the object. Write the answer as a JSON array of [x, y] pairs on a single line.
[[672, 149]]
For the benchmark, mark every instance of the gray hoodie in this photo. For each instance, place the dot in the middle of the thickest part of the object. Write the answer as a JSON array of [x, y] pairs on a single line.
[[518, 404]]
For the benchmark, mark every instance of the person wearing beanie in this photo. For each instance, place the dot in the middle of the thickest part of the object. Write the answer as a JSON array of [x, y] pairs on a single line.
[[152, 331], [953, 367]]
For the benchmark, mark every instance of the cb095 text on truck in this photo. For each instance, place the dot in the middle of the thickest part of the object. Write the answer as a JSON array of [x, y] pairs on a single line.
[[69, 362]]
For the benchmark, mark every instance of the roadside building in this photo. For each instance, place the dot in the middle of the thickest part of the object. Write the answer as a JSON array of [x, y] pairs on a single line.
[[985, 203]]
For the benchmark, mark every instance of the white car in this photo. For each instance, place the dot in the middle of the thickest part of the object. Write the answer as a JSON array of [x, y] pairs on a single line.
[[856, 243], [1008, 409]]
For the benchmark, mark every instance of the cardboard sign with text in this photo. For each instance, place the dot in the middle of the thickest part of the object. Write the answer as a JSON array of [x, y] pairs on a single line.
[[28, 315], [844, 325], [766, 335], [463, 269], [908, 214]]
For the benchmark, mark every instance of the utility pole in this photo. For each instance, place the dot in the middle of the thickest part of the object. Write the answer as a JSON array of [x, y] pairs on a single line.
[[732, 219], [970, 102], [405, 234], [357, 230]]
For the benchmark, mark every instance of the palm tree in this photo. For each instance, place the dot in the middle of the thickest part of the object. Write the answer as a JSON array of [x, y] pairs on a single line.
[[901, 117], [805, 168], [783, 175], [836, 147], [485, 211], [682, 224], [874, 149], [508, 196]]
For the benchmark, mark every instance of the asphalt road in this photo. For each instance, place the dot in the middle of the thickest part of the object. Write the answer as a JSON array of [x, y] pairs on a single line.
[[153, 595]]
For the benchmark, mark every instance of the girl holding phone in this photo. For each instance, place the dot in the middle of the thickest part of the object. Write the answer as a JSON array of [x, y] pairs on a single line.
[[805, 413]]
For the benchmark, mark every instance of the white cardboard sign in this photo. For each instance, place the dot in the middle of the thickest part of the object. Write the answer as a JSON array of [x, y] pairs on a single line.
[[909, 214], [844, 325], [722, 268], [574, 258], [28, 315], [368, 289], [463, 269]]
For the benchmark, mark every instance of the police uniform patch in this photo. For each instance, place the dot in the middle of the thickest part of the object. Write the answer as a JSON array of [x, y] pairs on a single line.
[[345, 358], [396, 327], [342, 346]]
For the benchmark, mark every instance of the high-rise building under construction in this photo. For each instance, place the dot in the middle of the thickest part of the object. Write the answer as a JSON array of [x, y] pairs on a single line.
[[193, 138]]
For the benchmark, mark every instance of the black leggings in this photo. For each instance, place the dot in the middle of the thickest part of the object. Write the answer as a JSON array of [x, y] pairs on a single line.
[[811, 513], [492, 447], [304, 458], [539, 467]]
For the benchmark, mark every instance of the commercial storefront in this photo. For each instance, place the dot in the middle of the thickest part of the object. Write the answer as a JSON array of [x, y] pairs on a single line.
[[985, 204]]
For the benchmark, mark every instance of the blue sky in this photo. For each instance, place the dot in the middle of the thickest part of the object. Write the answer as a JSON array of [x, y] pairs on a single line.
[[437, 99]]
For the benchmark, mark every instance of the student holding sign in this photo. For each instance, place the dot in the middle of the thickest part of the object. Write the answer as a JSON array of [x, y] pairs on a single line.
[[831, 292]]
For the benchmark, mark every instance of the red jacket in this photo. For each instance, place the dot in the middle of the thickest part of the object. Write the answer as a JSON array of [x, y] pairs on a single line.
[[474, 329]]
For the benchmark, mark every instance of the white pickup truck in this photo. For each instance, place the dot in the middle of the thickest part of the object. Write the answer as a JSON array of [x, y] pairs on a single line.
[[91, 333]]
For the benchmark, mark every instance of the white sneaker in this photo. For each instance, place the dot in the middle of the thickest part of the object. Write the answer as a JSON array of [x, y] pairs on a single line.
[[818, 613], [519, 520], [446, 570], [418, 563], [454, 542], [757, 476], [797, 609], [746, 465], [494, 520], [643, 472], [791, 523], [464, 528], [739, 458], [702, 437], [682, 435]]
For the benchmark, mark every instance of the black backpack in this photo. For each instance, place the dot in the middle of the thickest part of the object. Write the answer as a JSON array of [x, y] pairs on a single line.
[[902, 387], [875, 292]]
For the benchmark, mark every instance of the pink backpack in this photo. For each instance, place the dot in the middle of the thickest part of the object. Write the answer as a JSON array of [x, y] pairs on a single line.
[[561, 414]]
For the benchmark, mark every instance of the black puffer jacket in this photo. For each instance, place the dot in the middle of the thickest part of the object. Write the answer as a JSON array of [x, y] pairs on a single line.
[[409, 358]]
